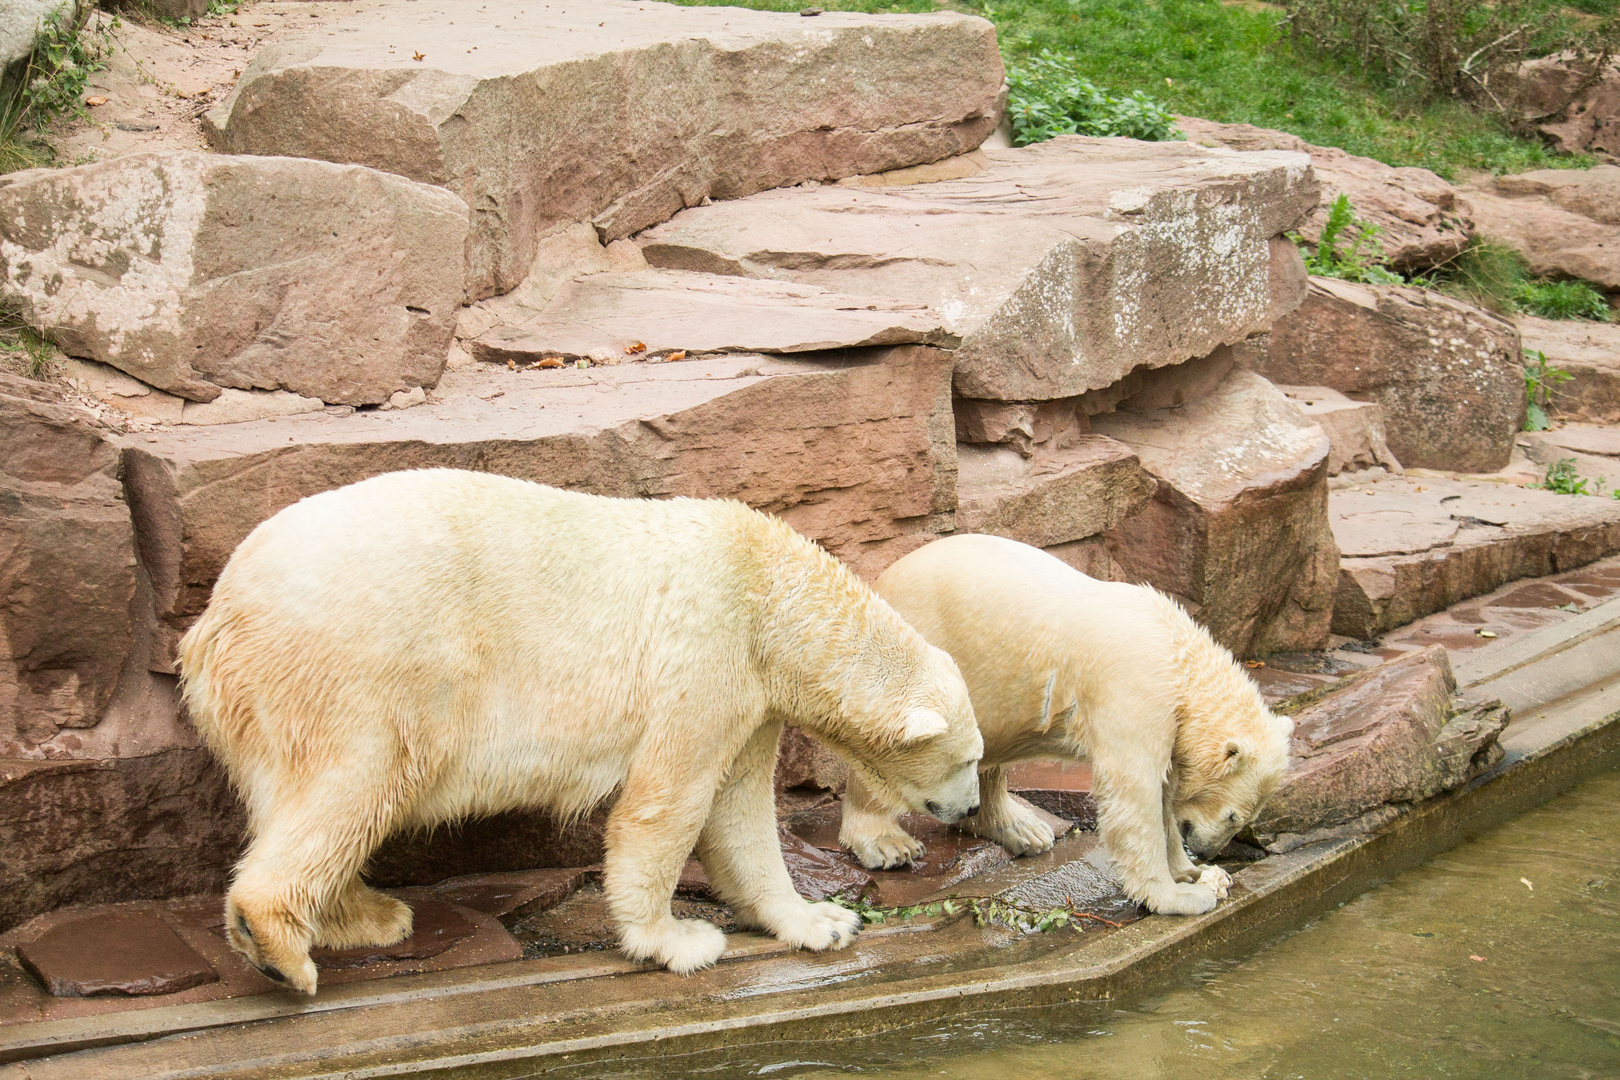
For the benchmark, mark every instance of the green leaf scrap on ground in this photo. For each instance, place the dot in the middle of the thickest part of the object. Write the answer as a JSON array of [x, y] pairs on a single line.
[[985, 910]]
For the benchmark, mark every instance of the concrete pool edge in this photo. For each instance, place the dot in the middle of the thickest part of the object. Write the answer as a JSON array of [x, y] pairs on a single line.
[[1550, 751]]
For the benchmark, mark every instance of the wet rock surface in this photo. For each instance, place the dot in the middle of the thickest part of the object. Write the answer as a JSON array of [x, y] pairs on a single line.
[[1061, 266], [616, 115], [1238, 527], [1448, 376], [1410, 546], [500, 894], [1372, 746], [436, 927], [128, 953], [195, 272], [1419, 219]]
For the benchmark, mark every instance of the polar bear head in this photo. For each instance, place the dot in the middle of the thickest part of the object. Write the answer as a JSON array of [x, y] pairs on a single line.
[[1231, 754], [925, 757]]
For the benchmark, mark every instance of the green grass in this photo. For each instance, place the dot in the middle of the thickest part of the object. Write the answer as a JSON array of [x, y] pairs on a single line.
[[1230, 63]]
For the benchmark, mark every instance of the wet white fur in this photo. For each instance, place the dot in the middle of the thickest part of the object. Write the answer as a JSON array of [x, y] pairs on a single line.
[[1062, 666], [429, 645]]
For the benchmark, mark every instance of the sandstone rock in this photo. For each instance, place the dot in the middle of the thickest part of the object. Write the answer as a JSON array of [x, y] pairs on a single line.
[[803, 762], [1593, 451], [123, 953], [1589, 351], [194, 272], [850, 452], [1575, 112], [1062, 266], [1238, 527], [1448, 376], [1420, 220], [1378, 742], [542, 117], [67, 567], [523, 892], [1058, 497], [1355, 429], [1411, 546], [20, 21], [1564, 222], [607, 316], [1026, 426], [106, 383], [116, 829]]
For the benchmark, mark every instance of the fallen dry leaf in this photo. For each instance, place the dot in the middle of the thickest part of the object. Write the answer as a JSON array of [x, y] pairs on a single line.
[[1481, 959], [550, 362], [1254, 663], [419, 56], [679, 354], [95, 101], [638, 347], [1526, 883], [1486, 633], [511, 365]]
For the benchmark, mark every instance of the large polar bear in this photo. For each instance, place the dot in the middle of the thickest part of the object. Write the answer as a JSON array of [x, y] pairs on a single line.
[[430, 645], [1181, 745]]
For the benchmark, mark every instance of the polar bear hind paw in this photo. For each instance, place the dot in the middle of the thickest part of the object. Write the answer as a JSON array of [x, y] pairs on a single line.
[[1217, 879], [886, 851], [1020, 831], [365, 918], [681, 945], [1179, 899]]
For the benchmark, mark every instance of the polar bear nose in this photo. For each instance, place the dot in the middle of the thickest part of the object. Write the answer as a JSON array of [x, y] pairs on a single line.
[[1186, 829]]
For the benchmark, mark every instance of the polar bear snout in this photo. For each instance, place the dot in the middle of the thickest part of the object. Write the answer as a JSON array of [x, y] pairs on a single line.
[[958, 796], [948, 815]]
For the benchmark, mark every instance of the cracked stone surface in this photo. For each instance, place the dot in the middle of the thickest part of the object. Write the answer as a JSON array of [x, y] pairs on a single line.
[[615, 114], [1061, 266], [1411, 546]]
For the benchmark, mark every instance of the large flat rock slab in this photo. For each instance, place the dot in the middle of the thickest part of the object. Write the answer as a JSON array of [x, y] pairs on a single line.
[[1448, 375], [654, 312], [1238, 526], [1419, 218], [849, 452], [1056, 498], [1590, 352], [618, 114], [1412, 546], [1566, 223], [1061, 266], [195, 272]]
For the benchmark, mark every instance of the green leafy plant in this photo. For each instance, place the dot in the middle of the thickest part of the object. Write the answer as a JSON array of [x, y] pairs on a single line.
[[1563, 300], [1562, 479], [66, 55], [1362, 257], [1539, 379], [984, 910], [224, 7], [1047, 98]]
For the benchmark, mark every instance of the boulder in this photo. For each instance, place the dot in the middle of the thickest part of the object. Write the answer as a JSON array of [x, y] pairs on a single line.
[[1577, 113], [1382, 740], [1565, 222], [1028, 427], [1420, 221], [1448, 375], [1056, 498], [1412, 546], [852, 452], [1238, 527], [613, 317], [1355, 429], [140, 401], [20, 21], [195, 272], [1061, 266], [618, 114], [1590, 353], [67, 568]]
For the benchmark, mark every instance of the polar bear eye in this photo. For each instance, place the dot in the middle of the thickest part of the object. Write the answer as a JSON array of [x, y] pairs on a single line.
[[1232, 817]]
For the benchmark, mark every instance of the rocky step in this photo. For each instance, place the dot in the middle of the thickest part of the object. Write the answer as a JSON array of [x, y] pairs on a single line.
[[1591, 450], [541, 116], [1590, 353], [1410, 546], [1061, 267], [1566, 222], [1355, 429]]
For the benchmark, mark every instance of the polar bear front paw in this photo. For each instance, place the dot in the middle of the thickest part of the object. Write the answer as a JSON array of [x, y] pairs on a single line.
[[1217, 879], [1017, 828], [681, 945], [1179, 899], [886, 850], [817, 927]]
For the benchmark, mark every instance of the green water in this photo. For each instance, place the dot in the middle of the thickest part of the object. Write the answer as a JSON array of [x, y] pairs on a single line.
[[1457, 968]]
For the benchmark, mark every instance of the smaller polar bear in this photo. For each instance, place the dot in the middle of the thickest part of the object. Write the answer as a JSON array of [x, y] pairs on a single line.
[[1183, 749], [426, 646]]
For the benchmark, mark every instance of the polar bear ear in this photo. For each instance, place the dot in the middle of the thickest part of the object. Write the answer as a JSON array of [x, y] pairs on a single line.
[[1237, 754], [921, 723]]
